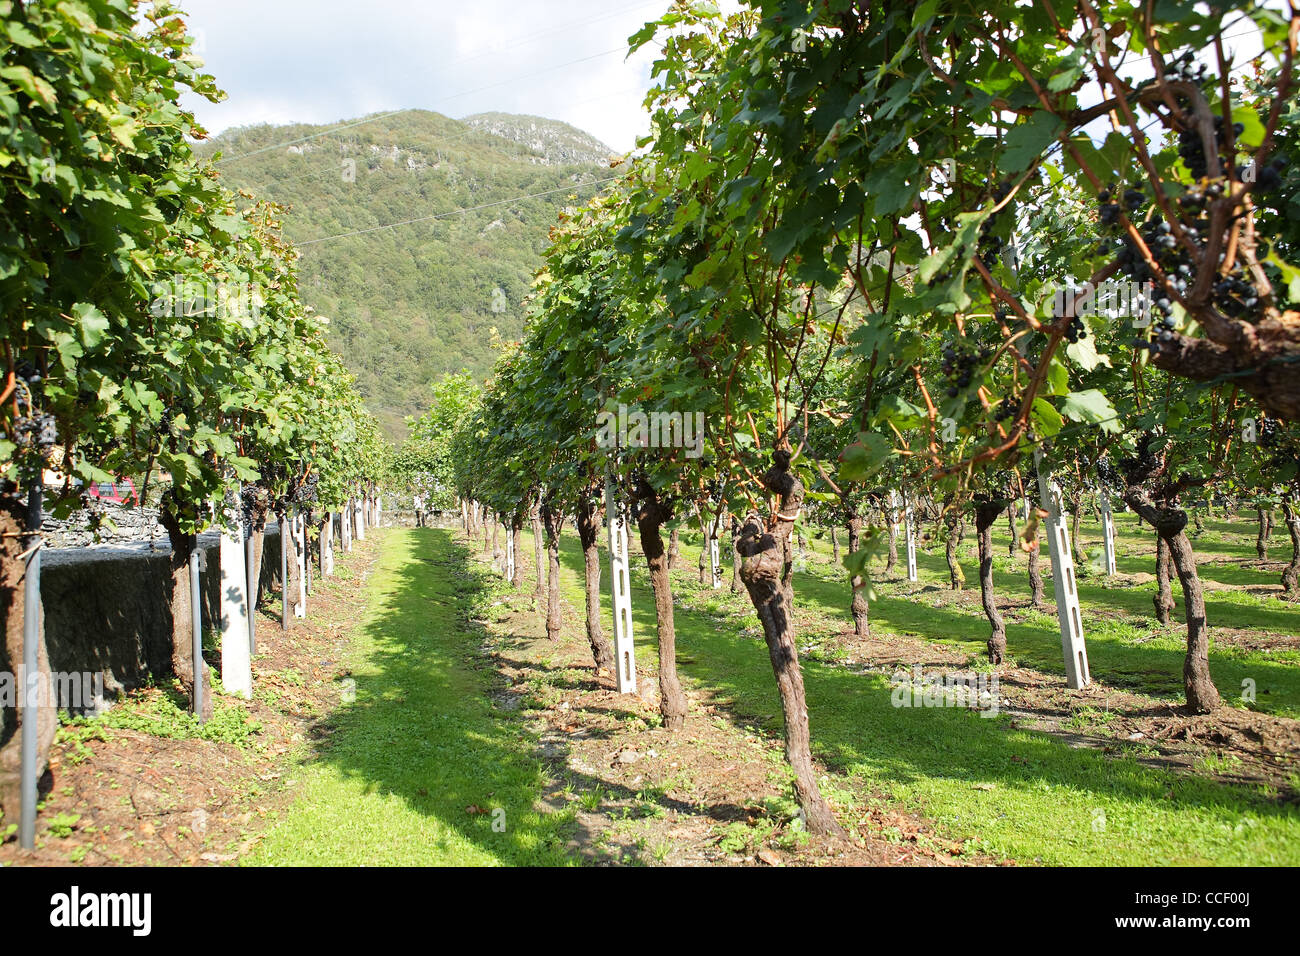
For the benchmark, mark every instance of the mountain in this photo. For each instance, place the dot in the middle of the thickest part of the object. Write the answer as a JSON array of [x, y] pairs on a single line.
[[410, 302]]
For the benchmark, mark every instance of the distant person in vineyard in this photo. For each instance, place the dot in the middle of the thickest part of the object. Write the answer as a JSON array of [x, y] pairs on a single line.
[[419, 511]]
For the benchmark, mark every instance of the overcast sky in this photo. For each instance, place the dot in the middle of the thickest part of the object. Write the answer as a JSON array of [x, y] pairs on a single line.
[[319, 61]]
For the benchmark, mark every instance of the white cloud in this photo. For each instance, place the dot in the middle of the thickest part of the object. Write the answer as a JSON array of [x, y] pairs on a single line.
[[320, 61]]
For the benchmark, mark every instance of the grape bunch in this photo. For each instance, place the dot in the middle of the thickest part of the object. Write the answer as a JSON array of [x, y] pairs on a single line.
[[1075, 329], [35, 431], [959, 361], [990, 246], [1006, 408], [1145, 461], [1270, 177], [1234, 296], [1268, 432], [308, 491], [1106, 472]]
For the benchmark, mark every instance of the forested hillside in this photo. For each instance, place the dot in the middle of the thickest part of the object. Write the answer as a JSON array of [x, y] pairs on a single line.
[[415, 301]]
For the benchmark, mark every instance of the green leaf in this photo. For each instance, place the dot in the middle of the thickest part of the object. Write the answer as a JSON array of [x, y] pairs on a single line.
[[1025, 142], [91, 324], [1091, 406], [1047, 420]]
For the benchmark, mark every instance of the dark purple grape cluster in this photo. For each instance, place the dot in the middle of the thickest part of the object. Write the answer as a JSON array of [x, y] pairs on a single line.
[[35, 431], [990, 246], [959, 362], [1234, 296], [1006, 408], [1145, 461], [308, 491], [1106, 472], [1268, 179]]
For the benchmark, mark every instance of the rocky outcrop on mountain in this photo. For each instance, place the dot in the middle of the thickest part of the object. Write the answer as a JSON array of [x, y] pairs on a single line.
[[553, 142]]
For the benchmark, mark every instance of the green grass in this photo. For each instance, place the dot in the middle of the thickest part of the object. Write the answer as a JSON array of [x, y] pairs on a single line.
[[1019, 794], [421, 743]]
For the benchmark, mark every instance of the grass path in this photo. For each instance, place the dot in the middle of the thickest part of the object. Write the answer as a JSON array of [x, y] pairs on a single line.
[[419, 770]]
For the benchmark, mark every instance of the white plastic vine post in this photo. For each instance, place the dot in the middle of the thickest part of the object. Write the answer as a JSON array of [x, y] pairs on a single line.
[[1108, 531], [359, 522], [510, 554], [379, 510], [911, 540], [299, 529], [236, 668], [1063, 581], [345, 525], [620, 584], [1025, 511]]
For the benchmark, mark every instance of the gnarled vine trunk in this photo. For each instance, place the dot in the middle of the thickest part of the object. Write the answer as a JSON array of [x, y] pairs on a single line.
[[764, 554], [293, 583], [259, 505], [986, 512], [1261, 537], [674, 549], [835, 546], [1170, 523], [956, 527], [736, 583], [1076, 514], [602, 652], [517, 535], [891, 559], [184, 666], [538, 561], [1036, 596], [1015, 535], [858, 604], [551, 521], [1164, 598], [704, 551], [1291, 574], [651, 513]]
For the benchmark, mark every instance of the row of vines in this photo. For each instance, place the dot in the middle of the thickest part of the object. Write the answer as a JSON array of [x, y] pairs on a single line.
[[152, 322], [890, 254]]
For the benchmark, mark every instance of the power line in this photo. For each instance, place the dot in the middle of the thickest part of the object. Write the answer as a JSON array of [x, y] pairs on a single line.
[[459, 212], [303, 139]]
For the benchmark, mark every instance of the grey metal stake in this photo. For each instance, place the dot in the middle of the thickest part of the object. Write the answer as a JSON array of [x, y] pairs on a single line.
[[196, 623], [31, 670]]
